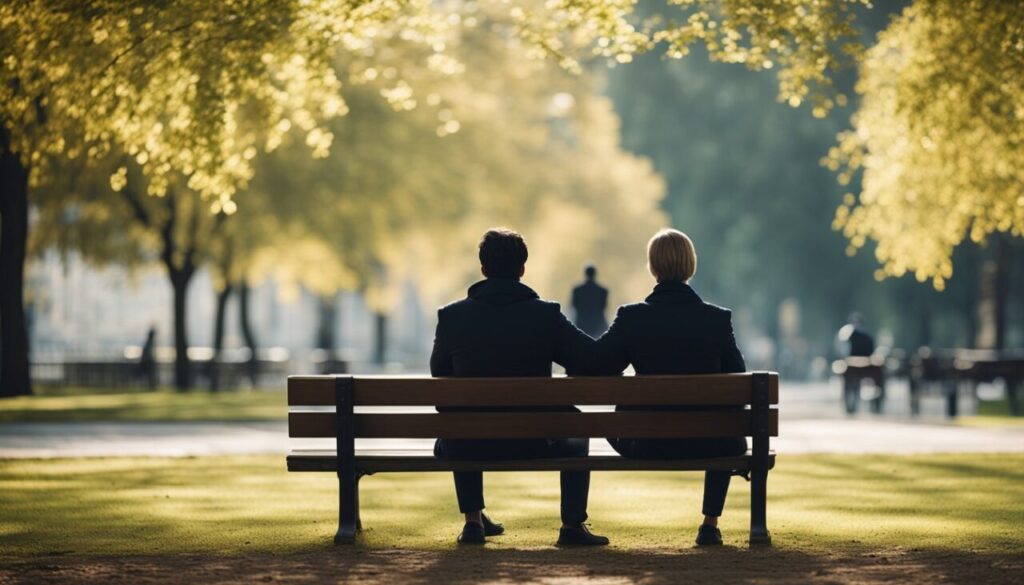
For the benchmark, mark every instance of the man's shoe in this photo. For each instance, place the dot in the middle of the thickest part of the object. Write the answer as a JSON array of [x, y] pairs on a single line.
[[492, 528], [472, 533], [709, 535], [580, 535]]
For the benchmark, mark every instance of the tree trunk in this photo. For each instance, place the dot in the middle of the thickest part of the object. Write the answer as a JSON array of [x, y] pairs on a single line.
[[180, 280], [218, 336], [328, 316], [380, 346], [247, 333], [15, 378], [994, 287], [969, 271], [1002, 289]]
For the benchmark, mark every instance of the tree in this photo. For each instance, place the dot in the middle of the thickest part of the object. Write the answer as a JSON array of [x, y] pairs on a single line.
[[807, 41], [938, 138], [405, 194], [169, 85], [81, 212]]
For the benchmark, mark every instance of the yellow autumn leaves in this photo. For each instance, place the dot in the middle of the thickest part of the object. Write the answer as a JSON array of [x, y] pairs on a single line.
[[938, 141]]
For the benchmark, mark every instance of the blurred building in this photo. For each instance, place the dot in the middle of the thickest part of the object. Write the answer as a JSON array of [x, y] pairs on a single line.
[[84, 312]]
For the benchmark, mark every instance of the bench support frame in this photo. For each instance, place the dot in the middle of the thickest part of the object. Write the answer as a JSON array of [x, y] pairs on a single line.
[[349, 523], [759, 534]]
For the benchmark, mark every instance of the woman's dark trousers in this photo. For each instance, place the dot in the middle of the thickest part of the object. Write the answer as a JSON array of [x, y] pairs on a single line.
[[716, 483]]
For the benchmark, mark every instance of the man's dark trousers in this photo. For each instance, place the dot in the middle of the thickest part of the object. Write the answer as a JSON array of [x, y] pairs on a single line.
[[469, 485], [502, 328]]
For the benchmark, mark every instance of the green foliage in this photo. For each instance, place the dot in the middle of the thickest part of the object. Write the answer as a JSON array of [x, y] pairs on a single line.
[[194, 93], [807, 40], [192, 89], [817, 505], [436, 144], [938, 138]]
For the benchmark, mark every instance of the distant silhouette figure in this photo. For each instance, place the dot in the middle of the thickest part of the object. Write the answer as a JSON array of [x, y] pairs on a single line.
[[588, 302], [854, 339], [147, 361]]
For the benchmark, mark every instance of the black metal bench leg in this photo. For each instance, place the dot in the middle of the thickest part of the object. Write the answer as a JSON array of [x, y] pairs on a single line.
[[758, 508], [349, 523], [759, 464], [348, 474]]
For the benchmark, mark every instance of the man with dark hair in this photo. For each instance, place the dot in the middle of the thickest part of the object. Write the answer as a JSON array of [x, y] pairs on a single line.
[[588, 302], [503, 328]]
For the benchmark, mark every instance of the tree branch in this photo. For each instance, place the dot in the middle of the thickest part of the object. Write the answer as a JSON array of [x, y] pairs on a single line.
[[141, 214]]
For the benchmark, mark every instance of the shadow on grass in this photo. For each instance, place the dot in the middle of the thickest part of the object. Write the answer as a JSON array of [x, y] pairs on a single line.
[[483, 565]]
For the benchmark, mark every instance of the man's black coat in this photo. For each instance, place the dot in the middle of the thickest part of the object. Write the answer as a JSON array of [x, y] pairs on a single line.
[[504, 329]]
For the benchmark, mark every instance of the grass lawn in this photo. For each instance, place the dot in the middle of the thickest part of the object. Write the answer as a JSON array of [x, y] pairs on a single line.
[[834, 519], [992, 413], [107, 405], [234, 505]]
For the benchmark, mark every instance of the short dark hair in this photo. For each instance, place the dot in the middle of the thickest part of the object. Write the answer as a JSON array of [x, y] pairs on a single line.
[[502, 253], [590, 270]]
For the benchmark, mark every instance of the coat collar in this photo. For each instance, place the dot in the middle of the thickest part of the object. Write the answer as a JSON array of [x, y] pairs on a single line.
[[673, 291], [501, 291]]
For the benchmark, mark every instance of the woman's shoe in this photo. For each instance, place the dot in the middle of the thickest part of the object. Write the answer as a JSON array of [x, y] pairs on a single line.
[[580, 535], [708, 535], [492, 528], [472, 533]]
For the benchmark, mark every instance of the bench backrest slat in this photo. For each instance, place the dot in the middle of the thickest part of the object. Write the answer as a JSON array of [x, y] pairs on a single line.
[[715, 389], [518, 425]]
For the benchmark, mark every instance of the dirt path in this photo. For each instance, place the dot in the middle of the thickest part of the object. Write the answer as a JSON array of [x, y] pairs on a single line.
[[726, 565]]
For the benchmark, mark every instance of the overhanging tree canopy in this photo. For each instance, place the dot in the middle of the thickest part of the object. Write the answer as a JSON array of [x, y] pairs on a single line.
[[939, 136]]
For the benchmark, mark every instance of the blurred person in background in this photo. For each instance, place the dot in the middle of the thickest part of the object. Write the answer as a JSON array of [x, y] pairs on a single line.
[[589, 300], [147, 359], [853, 339]]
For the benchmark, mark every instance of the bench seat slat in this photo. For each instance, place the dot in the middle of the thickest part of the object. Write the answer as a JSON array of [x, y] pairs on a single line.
[[713, 389], [519, 425], [411, 461]]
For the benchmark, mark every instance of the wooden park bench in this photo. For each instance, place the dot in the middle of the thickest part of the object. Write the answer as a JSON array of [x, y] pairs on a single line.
[[724, 405]]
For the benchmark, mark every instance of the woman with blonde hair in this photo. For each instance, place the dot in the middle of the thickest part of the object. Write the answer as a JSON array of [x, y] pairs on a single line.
[[673, 331]]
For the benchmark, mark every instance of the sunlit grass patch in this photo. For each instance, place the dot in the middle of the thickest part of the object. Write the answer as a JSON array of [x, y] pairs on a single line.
[[231, 505], [992, 413], [89, 405]]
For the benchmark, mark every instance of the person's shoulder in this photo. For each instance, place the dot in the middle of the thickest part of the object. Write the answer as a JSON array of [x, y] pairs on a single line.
[[717, 310], [630, 310], [453, 307], [712, 313], [543, 308], [546, 305]]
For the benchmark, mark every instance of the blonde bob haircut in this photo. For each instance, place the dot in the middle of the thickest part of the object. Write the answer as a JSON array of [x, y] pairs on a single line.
[[671, 256]]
